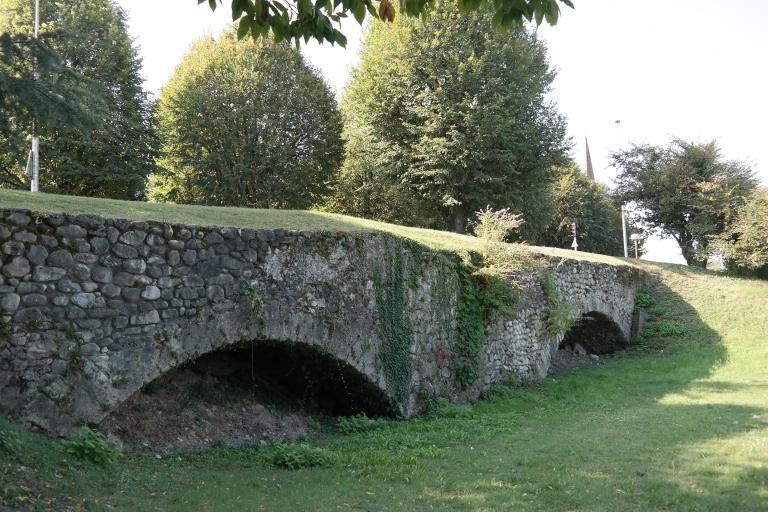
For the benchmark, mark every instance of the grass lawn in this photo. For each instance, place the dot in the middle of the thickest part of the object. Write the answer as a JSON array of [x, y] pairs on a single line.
[[254, 219], [678, 423]]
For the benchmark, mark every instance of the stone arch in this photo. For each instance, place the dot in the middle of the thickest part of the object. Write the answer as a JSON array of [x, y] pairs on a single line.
[[248, 393], [303, 373], [596, 332]]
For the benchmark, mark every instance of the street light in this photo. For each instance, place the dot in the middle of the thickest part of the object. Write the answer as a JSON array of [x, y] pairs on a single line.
[[624, 230]]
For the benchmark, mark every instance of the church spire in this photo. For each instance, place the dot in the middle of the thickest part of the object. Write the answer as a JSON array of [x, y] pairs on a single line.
[[590, 171]]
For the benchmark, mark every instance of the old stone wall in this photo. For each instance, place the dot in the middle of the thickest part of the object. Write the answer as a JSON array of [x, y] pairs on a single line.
[[92, 309]]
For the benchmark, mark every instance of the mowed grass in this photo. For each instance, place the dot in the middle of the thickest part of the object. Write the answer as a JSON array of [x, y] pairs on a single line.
[[678, 423], [304, 220]]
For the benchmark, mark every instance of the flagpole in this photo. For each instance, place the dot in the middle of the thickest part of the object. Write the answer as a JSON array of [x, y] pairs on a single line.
[[33, 182]]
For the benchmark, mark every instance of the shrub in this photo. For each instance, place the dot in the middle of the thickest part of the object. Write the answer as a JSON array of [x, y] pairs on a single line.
[[643, 300], [297, 456], [665, 328], [357, 423], [94, 447], [496, 225]]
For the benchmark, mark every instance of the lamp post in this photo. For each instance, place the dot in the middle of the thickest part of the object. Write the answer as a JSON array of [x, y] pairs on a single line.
[[624, 230]]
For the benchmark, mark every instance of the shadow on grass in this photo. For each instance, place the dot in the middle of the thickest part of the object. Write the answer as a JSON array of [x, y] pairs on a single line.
[[652, 457], [625, 436]]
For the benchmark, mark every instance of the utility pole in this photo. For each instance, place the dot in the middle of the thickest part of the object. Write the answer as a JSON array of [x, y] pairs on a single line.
[[33, 182]]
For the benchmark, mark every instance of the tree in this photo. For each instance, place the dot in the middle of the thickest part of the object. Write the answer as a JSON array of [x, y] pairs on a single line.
[[113, 157], [744, 243], [297, 19], [57, 96], [587, 203], [445, 117], [247, 123], [686, 190]]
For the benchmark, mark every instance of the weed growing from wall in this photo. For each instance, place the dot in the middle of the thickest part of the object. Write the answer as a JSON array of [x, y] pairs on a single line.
[[253, 300], [643, 300], [6, 328], [559, 312]]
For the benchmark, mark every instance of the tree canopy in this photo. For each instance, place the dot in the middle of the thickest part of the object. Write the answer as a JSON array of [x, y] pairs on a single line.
[[686, 190], [587, 203], [246, 123], [110, 156], [444, 117], [744, 243], [304, 19]]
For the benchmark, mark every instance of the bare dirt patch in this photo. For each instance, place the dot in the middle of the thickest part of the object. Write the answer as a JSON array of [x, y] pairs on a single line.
[[566, 359], [188, 410]]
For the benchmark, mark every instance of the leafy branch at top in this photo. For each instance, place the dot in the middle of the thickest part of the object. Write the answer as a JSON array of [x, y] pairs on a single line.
[[305, 19]]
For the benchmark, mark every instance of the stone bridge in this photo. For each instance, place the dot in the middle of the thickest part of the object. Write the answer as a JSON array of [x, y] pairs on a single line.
[[93, 309]]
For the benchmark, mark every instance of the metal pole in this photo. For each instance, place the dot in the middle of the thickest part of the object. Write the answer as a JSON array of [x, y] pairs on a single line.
[[33, 182], [624, 231], [635, 248]]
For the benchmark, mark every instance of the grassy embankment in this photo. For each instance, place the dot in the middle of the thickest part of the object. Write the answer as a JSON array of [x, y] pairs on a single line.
[[251, 218], [678, 423]]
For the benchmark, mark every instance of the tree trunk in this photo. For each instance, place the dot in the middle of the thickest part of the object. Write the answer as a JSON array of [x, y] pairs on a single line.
[[457, 219]]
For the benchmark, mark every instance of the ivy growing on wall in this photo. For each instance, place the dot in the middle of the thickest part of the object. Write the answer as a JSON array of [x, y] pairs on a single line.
[[486, 287], [397, 334]]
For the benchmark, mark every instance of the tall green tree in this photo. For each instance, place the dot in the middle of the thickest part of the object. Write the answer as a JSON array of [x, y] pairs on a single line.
[[247, 123], [445, 117], [744, 243], [588, 204], [686, 190], [114, 158], [300, 19]]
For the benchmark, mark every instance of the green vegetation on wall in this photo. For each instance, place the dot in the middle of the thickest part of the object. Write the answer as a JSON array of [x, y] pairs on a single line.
[[397, 333], [559, 312], [487, 286]]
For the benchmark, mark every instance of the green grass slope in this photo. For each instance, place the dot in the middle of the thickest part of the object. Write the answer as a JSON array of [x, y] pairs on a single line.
[[254, 219], [226, 217], [678, 423]]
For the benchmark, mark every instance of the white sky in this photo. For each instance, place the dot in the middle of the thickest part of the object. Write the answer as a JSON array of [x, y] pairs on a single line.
[[694, 69]]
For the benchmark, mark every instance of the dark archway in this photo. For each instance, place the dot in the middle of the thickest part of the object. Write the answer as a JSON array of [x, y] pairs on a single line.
[[596, 333], [251, 393], [315, 380]]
